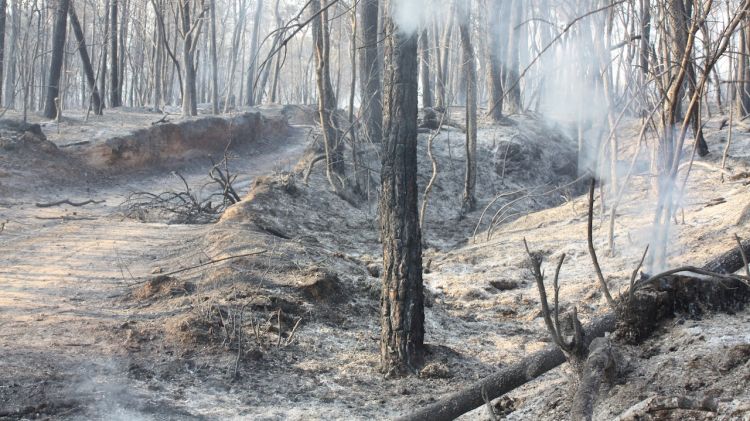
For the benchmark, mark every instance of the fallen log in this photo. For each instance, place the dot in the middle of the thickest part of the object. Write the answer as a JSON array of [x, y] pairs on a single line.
[[599, 362], [529, 368]]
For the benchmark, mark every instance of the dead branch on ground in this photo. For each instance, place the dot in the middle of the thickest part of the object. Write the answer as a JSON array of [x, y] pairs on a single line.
[[68, 202], [599, 365], [185, 206], [642, 409]]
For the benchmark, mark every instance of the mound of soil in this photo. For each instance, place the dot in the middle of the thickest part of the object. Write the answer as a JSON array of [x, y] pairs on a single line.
[[28, 160]]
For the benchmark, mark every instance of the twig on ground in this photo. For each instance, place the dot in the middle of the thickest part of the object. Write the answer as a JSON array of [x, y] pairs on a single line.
[[291, 335], [239, 344], [743, 254], [68, 202], [238, 256]]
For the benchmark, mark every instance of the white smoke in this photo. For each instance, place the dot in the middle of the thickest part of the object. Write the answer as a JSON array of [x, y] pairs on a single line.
[[413, 15]]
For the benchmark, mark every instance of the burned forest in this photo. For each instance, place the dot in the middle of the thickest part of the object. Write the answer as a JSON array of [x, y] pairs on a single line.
[[375, 209]]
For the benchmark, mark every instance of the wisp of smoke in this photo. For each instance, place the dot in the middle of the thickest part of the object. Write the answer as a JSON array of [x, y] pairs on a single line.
[[411, 15]]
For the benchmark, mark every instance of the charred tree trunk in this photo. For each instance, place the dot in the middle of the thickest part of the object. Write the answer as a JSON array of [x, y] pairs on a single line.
[[495, 72], [470, 75], [96, 101], [645, 41], [214, 65], [402, 297], [10, 80], [58, 55], [190, 37], [114, 84], [743, 71], [335, 170], [2, 45], [512, 80], [424, 47], [250, 96], [157, 80], [371, 105]]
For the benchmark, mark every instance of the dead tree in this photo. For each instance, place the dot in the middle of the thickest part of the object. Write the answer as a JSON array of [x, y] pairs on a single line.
[[495, 70], [189, 31], [335, 170], [402, 297], [371, 108], [513, 74], [3, 6], [470, 74], [96, 101], [250, 96], [51, 105], [424, 69], [115, 99], [214, 65]]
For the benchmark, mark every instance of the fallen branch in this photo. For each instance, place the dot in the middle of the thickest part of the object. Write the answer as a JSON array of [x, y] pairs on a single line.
[[210, 262], [65, 218], [641, 410], [68, 202]]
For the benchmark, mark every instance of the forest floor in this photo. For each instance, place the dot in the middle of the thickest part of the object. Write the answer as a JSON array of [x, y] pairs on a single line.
[[88, 329]]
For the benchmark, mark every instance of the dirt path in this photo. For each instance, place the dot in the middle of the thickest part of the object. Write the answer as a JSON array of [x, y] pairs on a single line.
[[64, 270]]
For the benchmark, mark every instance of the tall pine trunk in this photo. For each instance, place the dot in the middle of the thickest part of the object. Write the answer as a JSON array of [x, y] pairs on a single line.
[[470, 74], [402, 297]]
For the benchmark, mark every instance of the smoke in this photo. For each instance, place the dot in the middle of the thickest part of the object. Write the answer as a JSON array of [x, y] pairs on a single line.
[[412, 15]]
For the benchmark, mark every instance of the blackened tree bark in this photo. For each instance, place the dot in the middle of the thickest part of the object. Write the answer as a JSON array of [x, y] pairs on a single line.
[[58, 55], [2, 45], [214, 66], [190, 32], [402, 298], [114, 84], [743, 71], [470, 74], [250, 97], [513, 72], [424, 71], [645, 46], [96, 101], [10, 79], [372, 107], [335, 170], [495, 72]]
